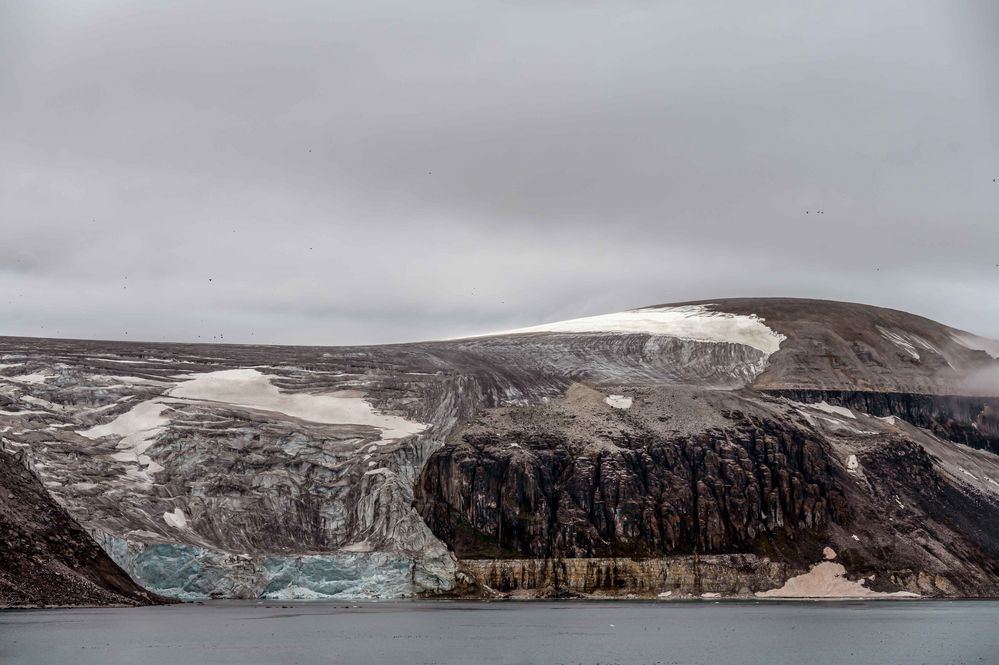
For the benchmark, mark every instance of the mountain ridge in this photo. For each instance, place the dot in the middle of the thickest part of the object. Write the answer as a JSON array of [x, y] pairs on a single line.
[[198, 469]]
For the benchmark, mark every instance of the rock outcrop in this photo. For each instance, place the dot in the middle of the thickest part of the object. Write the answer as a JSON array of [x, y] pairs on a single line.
[[686, 472], [47, 558]]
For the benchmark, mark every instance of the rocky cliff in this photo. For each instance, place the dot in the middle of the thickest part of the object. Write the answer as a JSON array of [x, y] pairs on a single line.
[[47, 558], [579, 485], [650, 439]]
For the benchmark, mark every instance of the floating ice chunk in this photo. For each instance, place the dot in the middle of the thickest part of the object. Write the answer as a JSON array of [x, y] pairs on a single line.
[[176, 519], [249, 388], [695, 322], [618, 401]]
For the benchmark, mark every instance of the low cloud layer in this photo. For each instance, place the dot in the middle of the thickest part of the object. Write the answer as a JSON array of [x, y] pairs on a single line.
[[333, 173]]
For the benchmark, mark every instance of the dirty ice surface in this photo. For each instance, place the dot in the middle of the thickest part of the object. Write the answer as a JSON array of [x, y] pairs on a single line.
[[694, 322], [252, 389]]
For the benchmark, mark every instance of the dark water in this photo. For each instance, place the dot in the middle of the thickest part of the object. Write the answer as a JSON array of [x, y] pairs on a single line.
[[770, 633]]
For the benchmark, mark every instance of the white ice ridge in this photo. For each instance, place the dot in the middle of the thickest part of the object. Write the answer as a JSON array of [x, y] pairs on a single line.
[[694, 322], [252, 389]]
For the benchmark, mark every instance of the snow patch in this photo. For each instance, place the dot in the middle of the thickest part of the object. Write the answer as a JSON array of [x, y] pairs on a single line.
[[618, 401], [251, 389], [176, 519], [901, 341], [828, 580], [968, 473], [829, 553], [852, 465], [694, 322], [825, 407], [137, 427]]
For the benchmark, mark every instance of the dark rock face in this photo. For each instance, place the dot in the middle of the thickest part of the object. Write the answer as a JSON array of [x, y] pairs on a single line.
[[942, 512], [973, 421], [642, 494], [47, 558]]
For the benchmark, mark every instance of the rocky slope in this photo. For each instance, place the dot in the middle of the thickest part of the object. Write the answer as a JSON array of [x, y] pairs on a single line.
[[694, 472], [290, 471], [47, 558]]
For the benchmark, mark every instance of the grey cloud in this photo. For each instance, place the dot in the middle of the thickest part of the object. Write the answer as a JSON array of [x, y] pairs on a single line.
[[368, 172]]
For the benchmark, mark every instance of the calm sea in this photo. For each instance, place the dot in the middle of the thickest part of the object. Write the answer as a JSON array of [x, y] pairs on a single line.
[[468, 633]]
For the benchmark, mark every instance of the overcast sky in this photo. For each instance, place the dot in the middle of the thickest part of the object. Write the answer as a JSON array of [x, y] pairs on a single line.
[[361, 172]]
